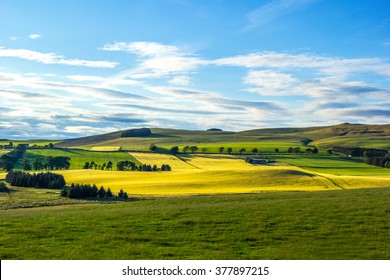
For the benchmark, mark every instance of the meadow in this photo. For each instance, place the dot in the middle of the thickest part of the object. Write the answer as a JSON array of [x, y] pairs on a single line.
[[78, 157], [337, 165], [211, 205], [347, 224], [216, 174]]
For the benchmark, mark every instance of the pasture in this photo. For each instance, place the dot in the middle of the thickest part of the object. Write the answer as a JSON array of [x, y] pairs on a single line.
[[158, 159], [261, 145], [79, 157], [332, 165], [348, 224], [30, 142]]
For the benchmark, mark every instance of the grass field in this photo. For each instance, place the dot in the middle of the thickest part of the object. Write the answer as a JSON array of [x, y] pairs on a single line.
[[158, 159], [79, 157], [217, 162], [261, 145], [30, 142], [2, 152], [366, 142], [106, 148], [211, 174], [332, 165], [349, 224]]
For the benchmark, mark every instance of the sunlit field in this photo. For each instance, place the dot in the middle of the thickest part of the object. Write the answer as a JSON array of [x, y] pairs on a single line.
[[106, 148], [158, 159], [79, 157], [333, 165], [351, 224], [212, 174]]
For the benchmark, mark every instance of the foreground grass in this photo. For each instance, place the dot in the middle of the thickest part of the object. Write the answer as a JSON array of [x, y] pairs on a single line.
[[347, 224]]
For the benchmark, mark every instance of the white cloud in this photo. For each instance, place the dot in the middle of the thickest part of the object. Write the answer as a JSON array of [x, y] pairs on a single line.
[[143, 48], [34, 36], [269, 79], [84, 78], [52, 58], [180, 80], [322, 64], [157, 60]]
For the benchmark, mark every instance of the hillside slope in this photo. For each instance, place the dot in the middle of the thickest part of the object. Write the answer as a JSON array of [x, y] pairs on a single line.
[[374, 136]]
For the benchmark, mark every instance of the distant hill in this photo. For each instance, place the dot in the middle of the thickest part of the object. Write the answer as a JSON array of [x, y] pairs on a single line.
[[346, 134]]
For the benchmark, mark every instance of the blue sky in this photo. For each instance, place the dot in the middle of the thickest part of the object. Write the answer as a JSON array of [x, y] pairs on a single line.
[[75, 68]]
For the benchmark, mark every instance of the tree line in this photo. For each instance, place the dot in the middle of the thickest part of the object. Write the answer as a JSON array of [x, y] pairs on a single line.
[[79, 191], [45, 180], [379, 161], [47, 163], [126, 165], [9, 160], [229, 150], [360, 152], [93, 165]]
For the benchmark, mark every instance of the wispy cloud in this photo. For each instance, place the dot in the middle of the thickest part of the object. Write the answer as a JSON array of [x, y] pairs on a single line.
[[181, 80], [52, 58], [272, 11], [157, 60], [34, 36], [149, 49]]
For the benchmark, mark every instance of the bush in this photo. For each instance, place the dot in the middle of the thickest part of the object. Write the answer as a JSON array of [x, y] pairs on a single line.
[[3, 187]]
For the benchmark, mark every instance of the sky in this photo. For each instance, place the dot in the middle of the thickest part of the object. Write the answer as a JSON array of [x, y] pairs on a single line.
[[71, 68]]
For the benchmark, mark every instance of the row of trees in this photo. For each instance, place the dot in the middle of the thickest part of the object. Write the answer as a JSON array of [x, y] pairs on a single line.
[[47, 163], [93, 165], [360, 152], [379, 161], [131, 166], [90, 191], [174, 150], [297, 150], [8, 160], [46, 180]]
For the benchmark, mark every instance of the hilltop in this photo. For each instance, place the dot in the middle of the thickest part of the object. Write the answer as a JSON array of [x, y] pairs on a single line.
[[363, 135]]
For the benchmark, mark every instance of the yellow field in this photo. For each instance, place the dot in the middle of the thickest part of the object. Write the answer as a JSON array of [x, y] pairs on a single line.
[[212, 174], [106, 148], [217, 162], [159, 159]]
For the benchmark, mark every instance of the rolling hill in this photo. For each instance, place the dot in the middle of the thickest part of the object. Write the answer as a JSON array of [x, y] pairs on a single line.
[[362, 135]]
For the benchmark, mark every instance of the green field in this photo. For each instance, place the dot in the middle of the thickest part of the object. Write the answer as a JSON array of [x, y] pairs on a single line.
[[332, 165], [30, 142], [370, 136], [2, 151], [78, 157], [349, 224], [211, 205]]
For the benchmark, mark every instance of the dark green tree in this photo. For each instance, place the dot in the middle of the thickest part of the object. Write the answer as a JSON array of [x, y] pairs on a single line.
[[27, 165], [174, 150], [153, 147]]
